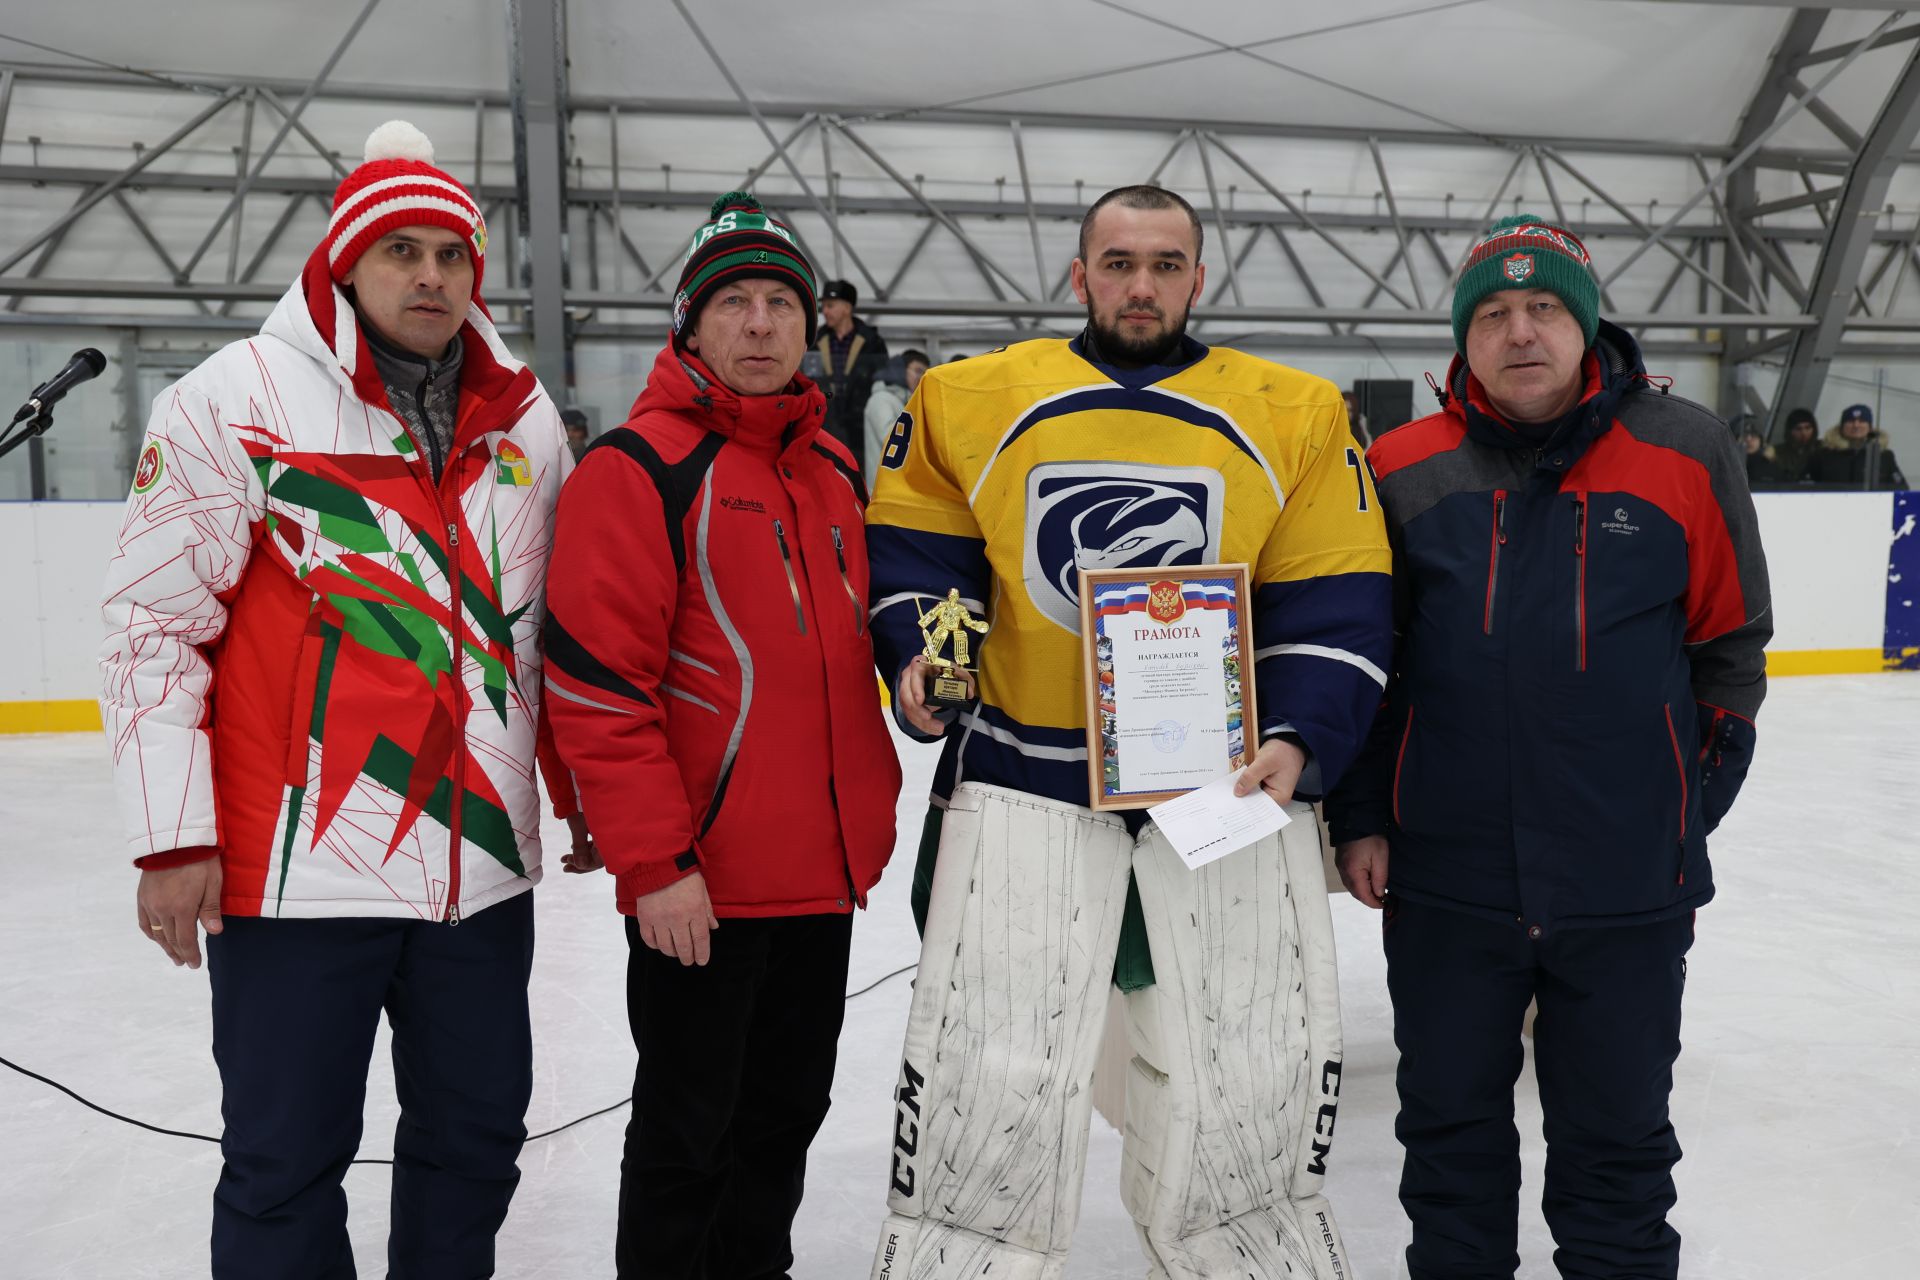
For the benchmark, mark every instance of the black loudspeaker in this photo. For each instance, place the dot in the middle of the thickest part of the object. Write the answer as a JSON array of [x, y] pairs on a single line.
[[1385, 402]]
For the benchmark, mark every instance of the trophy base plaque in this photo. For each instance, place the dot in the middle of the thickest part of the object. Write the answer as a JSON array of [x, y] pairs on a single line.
[[946, 689]]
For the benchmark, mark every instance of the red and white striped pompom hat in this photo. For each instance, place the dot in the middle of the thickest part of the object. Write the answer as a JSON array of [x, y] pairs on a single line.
[[398, 186]]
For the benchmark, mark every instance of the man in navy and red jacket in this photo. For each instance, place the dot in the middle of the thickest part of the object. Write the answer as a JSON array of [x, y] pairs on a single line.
[[1581, 613], [712, 691]]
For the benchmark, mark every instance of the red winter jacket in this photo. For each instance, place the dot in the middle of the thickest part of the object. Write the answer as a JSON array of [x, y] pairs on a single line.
[[711, 674]]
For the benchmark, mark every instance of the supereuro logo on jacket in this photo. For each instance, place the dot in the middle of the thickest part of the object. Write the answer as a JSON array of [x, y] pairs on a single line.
[[1620, 523]]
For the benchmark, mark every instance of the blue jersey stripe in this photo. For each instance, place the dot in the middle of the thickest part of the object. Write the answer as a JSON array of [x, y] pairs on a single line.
[[1096, 399], [1350, 611]]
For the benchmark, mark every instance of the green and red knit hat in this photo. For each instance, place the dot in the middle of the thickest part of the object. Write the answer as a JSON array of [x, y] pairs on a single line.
[[740, 241], [1528, 252]]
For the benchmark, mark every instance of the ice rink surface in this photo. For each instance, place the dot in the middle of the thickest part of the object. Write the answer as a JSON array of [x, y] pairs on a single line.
[[1796, 1098]]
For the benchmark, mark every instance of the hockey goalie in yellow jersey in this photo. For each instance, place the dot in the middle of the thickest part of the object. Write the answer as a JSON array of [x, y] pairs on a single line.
[[1132, 445]]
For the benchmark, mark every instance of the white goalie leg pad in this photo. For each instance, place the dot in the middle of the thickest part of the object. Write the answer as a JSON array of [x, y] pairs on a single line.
[[991, 1112], [1236, 1070]]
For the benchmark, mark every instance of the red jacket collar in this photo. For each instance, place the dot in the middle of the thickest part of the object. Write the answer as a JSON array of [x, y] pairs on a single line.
[[682, 385], [1469, 392]]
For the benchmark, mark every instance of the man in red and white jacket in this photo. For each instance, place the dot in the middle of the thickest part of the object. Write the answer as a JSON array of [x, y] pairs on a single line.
[[322, 687], [711, 683]]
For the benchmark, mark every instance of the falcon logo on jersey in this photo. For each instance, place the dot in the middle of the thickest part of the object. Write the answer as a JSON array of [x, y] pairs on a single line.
[[894, 455], [1114, 515]]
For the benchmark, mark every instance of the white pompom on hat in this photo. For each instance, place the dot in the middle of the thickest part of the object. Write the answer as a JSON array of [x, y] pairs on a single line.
[[398, 140], [399, 186]]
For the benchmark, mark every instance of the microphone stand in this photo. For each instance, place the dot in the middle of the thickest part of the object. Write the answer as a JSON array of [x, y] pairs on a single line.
[[16, 435]]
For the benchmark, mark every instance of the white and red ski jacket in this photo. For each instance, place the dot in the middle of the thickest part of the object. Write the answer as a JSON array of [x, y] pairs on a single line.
[[709, 671], [317, 660]]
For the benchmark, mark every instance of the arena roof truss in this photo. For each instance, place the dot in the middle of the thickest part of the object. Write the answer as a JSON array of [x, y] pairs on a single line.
[[1776, 242]]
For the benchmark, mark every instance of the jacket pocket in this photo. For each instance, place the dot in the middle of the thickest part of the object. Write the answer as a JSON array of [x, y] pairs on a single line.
[[1680, 770], [1400, 764], [846, 580], [793, 583], [1580, 585], [306, 682], [1496, 540]]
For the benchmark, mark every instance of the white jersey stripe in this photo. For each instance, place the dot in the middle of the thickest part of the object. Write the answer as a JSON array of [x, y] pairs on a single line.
[[1374, 673]]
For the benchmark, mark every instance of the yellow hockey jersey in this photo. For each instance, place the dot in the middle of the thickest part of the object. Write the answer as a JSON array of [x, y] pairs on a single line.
[[1010, 472]]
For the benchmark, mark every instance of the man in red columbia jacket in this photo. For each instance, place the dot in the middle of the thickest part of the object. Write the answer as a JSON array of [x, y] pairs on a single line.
[[711, 682]]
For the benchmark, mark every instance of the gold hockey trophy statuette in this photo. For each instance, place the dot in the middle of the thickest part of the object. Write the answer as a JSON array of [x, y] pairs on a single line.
[[946, 682]]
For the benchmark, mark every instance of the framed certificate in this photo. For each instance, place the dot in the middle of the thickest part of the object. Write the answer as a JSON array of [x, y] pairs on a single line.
[[1168, 671]]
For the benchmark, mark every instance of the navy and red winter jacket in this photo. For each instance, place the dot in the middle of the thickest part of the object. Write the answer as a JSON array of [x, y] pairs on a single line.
[[708, 659], [1579, 654]]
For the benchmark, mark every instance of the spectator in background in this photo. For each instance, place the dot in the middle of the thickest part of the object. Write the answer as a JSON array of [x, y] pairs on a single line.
[[1853, 455], [1762, 470], [1794, 455], [1357, 420], [890, 395], [579, 433], [852, 354]]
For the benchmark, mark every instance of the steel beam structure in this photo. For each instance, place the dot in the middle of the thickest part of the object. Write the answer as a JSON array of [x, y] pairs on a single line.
[[1727, 241], [1837, 276], [1741, 203], [107, 188], [786, 155], [1803, 99], [1240, 217], [286, 126], [1399, 228], [854, 112], [538, 74]]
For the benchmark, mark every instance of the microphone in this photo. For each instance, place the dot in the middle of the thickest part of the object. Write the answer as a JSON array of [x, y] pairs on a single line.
[[86, 363]]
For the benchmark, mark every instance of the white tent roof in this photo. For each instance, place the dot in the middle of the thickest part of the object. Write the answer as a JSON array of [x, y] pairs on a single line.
[[1571, 68]]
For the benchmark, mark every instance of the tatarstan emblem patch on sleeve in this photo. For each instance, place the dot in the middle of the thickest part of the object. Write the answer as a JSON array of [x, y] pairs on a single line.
[[147, 474]]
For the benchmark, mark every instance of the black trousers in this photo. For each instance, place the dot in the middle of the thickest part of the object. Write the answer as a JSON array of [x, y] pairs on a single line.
[[1605, 1040], [734, 1078], [295, 1007]]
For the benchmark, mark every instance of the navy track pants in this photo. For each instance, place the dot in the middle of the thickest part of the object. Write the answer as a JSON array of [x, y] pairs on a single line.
[[295, 1007], [1605, 1040]]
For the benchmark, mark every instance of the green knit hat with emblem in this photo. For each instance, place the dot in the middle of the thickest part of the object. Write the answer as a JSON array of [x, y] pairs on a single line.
[[740, 241], [1528, 252]]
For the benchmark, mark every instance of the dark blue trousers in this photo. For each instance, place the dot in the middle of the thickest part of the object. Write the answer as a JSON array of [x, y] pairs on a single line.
[[295, 1007], [1605, 1040]]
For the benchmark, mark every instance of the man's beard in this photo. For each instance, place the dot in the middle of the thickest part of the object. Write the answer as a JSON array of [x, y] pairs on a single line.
[[1114, 347]]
